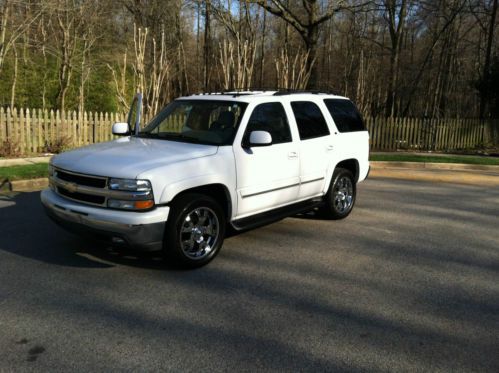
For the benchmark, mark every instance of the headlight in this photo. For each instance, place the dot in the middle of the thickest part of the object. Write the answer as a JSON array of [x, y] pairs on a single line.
[[139, 198], [131, 185], [51, 170]]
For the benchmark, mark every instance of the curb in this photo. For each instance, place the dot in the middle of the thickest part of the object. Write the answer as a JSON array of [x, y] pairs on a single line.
[[19, 185], [24, 161], [434, 166], [457, 177]]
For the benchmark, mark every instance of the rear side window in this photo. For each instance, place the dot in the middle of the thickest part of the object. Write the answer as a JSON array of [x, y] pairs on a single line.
[[345, 115], [310, 121]]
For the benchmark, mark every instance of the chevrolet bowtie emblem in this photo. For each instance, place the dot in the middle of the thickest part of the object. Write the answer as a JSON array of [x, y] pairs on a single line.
[[71, 187]]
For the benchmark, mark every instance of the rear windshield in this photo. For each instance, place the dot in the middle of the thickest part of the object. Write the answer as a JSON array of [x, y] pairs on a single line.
[[345, 115]]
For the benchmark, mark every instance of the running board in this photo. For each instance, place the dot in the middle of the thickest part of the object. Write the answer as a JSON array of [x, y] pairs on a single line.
[[271, 216]]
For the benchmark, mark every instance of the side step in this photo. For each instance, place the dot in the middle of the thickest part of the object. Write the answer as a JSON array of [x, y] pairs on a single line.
[[271, 216]]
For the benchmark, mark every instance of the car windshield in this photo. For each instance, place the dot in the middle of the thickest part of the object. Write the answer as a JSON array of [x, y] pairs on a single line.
[[209, 122]]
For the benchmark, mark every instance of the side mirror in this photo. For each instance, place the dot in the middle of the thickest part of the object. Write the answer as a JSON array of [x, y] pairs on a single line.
[[121, 129], [259, 138]]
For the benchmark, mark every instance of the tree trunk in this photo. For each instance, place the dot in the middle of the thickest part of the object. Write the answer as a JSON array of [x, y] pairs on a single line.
[[198, 60], [484, 94], [311, 41], [4, 18], [14, 81], [207, 44], [396, 24], [262, 57]]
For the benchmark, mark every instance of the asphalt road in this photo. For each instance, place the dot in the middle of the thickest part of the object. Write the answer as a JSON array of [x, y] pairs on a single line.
[[409, 282]]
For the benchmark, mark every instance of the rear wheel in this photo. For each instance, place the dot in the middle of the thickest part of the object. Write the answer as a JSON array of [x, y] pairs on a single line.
[[195, 230], [340, 197]]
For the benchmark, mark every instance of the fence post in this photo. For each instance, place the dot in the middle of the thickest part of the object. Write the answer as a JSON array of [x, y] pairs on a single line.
[[4, 130]]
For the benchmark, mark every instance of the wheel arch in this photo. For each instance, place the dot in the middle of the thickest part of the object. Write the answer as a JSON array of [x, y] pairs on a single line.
[[219, 192], [351, 165]]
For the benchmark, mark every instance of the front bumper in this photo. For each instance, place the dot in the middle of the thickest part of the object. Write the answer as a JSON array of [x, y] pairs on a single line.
[[139, 230]]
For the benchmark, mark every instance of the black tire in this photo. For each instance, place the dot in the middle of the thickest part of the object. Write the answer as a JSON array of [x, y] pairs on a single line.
[[186, 227], [340, 198]]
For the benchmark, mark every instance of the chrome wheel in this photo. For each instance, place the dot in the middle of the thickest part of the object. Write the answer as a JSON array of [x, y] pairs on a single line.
[[199, 233], [343, 194]]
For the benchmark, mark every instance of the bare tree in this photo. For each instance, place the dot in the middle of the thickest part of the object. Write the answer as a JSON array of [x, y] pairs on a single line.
[[292, 73], [71, 30], [151, 82], [395, 16], [484, 94], [12, 27], [237, 54], [207, 45], [120, 83], [308, 25]]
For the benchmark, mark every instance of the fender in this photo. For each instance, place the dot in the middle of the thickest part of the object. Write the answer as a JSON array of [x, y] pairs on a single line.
[[172, 190]]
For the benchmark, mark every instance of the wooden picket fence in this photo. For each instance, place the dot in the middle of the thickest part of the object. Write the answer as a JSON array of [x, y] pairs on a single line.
[[391, 134], [35, 131]]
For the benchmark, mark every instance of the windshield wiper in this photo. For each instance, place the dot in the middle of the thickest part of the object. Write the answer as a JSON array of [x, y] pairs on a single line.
[[177, 136], [148, 135]]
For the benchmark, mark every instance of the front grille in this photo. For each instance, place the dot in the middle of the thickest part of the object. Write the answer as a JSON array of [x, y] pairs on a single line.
[[82, 197], [91, 181]]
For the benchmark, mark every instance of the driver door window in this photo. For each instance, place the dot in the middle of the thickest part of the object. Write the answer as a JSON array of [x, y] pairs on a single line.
[[272, 118]]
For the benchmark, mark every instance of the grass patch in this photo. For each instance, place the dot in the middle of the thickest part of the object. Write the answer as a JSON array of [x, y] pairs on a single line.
[[31, 171], [407, 157]]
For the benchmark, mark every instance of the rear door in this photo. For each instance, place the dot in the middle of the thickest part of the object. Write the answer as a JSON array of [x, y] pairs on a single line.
[[353, 138], [316, 147], [267, 176]]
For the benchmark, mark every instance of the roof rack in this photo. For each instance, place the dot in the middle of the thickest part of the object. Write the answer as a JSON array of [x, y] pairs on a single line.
[[277, 91], [240, 91]]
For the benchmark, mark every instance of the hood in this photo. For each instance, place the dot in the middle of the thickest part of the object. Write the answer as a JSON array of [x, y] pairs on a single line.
[[127, 157]]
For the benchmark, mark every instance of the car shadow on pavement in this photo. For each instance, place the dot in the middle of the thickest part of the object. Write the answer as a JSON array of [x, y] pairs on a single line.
[[29, 232]]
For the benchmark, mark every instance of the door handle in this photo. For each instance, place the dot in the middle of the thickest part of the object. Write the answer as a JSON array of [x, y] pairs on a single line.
[[293, 155], [329, 147]]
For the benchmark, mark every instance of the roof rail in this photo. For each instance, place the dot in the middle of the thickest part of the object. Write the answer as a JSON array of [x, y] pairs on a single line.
[[289, 91]]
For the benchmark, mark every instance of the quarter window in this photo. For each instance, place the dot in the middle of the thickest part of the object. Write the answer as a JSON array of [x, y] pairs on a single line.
[[272, 118], [345, 115], [309, 119]]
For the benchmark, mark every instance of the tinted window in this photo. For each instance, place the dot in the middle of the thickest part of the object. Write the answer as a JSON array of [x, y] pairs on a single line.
[[272, 118], [310, 121], [345, 115]]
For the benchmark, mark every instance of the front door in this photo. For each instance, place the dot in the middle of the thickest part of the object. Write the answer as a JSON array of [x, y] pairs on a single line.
[[267, 176]]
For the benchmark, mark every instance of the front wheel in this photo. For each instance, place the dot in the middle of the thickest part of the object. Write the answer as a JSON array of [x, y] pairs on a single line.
[[340, 197], [195, 230]]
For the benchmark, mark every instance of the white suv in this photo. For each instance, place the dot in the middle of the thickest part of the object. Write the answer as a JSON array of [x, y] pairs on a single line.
[[207, 161]]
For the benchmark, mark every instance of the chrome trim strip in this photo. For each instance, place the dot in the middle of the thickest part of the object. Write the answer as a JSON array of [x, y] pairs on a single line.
[[271, 190], [280, 188], [312, 181]]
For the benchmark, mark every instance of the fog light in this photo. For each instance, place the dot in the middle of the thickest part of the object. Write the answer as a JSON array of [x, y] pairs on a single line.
[[118, 204], [117, 240], [130, 205]]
